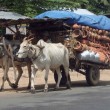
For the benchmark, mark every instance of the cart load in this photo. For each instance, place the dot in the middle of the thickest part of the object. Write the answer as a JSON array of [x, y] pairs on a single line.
[[91, 44], [89, 36]]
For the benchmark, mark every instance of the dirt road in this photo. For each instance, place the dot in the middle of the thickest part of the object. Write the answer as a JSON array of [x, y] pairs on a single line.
[[39, 80]]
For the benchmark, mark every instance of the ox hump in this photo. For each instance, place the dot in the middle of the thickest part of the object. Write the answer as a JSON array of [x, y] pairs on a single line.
[[59, 45], [41, 43]]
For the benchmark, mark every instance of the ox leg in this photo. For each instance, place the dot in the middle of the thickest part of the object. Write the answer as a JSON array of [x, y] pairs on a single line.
[[46, 80], [29, 74], [33, 73], [7, 69], [66, 73], [20, 72], [5, 76], [59, 77], [3, 79]]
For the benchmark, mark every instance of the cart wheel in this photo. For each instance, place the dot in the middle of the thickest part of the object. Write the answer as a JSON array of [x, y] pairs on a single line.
[[63, 79], [92, 76]]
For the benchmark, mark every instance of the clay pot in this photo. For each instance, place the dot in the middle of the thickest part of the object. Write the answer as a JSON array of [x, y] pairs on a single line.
[[84, 41], [94, 30], [106, 33], [98, 37], [77, 46], [100, 32], [103, 32], [105, 38], [76, 26], [84, 47], [83, 27], [92, 34], [87, 28], [76, 33], [97, 31], [102, 57], [91, 29], [85, 34]]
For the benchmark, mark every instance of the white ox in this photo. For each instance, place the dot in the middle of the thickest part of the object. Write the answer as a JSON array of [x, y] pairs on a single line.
[[48, 56]]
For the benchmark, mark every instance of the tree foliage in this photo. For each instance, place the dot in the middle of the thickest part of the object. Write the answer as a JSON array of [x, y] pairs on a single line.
[[34, 7]]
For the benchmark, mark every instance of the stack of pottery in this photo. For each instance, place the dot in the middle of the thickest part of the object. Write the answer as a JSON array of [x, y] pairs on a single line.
[[91, 44]]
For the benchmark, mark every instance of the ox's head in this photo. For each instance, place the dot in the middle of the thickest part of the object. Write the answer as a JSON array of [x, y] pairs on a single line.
[[25, 47]]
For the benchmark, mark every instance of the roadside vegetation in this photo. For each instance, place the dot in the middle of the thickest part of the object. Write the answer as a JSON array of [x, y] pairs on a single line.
[[33, 7]]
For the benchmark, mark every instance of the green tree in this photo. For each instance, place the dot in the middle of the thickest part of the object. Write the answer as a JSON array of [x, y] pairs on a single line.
[[33, 7], [99, 6]]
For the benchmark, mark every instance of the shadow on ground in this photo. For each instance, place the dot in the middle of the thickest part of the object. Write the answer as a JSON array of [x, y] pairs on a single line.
[[39, 88]]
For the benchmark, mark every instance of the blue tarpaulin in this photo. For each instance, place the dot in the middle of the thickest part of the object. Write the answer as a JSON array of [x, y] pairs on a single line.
[[95, 21]]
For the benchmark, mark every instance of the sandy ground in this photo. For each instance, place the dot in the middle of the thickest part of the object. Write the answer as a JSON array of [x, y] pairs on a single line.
[[39, 80]]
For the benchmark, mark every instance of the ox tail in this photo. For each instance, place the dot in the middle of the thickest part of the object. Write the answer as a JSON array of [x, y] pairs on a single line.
[[66, 67], [66, 57]]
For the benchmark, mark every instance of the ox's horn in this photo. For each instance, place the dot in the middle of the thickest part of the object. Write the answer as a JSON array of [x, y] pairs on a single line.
[[25, 39], [29, 40]]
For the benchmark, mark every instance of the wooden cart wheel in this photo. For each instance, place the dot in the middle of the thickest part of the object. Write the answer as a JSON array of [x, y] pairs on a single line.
[[64, 79], [92, 76]]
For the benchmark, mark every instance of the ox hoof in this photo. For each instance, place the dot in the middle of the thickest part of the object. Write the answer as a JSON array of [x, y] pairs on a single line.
[[29, 87], [14, 86], [1, 90], [68, 86], [56, 88], [45, 90], [32, 91]]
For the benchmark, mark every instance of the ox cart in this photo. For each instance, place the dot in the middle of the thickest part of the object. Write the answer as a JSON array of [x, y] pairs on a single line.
[[87, 38], [88, 47]]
